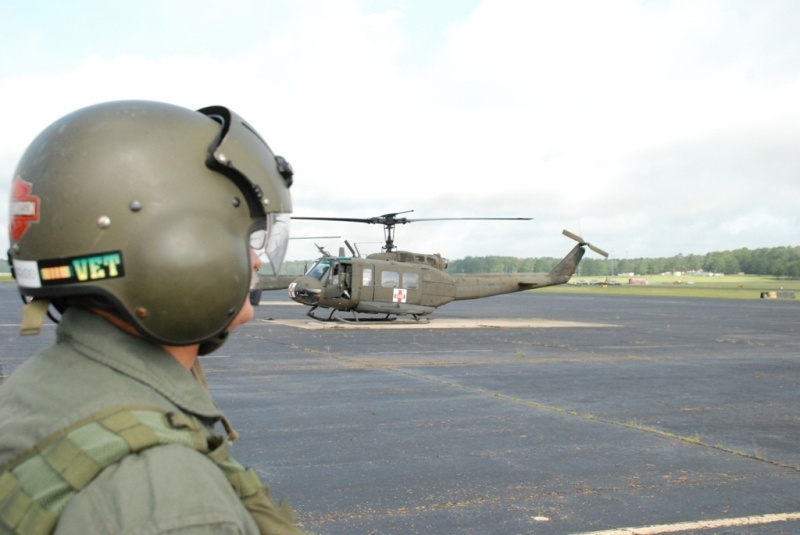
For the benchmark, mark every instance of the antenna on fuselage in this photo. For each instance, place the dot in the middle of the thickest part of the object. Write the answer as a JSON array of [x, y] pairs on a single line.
[[354, 252]]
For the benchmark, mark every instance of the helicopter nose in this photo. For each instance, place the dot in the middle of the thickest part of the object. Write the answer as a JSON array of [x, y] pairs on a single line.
[[305, 290]]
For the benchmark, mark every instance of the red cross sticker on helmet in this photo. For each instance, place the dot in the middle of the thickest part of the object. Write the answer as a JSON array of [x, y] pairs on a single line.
[[24, 208]]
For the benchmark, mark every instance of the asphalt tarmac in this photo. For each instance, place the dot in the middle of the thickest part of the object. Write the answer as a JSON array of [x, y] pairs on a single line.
[[526, 413]]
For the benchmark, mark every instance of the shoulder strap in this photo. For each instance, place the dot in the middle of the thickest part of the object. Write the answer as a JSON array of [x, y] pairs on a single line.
[[36, 486]]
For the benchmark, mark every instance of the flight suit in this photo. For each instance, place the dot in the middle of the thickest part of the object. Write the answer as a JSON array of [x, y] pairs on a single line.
[[94, 366]]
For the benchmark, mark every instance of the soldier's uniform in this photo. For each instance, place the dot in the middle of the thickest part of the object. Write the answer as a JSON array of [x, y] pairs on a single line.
[[92, 367], [153, 215]]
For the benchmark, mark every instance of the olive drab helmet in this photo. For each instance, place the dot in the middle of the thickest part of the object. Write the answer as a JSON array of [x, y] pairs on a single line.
[[148, 209]]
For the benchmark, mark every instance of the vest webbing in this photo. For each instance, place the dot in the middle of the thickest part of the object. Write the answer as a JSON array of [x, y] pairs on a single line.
[[36, 485]]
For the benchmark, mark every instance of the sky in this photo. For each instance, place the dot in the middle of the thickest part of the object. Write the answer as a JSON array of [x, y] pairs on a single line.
[[650, 128]]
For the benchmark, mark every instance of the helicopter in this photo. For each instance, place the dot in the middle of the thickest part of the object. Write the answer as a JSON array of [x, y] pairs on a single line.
[[396, 283], [267, 279]]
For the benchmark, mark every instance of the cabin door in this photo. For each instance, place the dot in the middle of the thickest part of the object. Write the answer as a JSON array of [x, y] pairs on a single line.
[[366, 277]]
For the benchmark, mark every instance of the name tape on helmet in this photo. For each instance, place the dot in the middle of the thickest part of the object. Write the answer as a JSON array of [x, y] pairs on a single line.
[[72, 270]]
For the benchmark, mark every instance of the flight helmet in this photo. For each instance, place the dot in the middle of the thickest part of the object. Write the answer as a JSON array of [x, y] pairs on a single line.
[[148, 210]]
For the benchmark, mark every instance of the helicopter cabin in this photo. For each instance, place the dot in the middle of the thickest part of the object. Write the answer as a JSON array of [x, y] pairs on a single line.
[[380, 283]]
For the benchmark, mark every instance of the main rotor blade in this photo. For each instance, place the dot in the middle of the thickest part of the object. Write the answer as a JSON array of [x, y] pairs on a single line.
[[390, 219], [350, 219], [472, 219]]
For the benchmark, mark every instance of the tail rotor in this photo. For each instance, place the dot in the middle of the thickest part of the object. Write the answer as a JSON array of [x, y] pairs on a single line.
[[581, 241]]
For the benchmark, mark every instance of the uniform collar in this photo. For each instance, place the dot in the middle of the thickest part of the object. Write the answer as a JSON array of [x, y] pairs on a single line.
[[137, 358]]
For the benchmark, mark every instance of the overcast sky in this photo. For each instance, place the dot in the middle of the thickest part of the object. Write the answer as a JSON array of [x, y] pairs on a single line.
[[652, 128]]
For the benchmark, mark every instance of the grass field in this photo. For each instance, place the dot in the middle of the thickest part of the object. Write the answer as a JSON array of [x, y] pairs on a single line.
[[725, 287]]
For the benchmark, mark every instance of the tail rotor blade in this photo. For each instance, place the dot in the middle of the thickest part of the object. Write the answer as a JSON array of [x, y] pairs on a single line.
[[581, 241], [597, 250]]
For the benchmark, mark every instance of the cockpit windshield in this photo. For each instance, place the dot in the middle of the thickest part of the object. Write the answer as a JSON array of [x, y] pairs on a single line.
[[319, 269]]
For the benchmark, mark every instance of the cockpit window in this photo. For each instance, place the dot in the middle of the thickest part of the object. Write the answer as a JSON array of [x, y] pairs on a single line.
[[319, 269]]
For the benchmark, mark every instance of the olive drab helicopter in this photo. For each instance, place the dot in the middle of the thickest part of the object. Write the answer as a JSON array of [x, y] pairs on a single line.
[[267, 279], [396, 283]]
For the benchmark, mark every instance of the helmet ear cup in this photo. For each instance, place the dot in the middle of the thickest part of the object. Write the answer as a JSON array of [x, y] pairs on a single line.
[[204, 268]]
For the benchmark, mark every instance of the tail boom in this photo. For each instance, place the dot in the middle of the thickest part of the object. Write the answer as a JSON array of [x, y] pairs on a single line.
[[488, 284]]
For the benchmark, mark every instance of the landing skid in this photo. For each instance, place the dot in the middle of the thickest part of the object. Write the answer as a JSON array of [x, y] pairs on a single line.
[[393, 318]]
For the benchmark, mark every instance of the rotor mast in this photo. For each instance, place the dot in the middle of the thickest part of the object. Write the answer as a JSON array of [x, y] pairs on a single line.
[[389, 221]]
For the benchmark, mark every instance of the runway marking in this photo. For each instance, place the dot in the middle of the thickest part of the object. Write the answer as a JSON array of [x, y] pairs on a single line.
[[441, 323], [701, 524]]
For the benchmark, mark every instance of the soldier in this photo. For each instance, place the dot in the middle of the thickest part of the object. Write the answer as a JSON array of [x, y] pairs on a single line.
[[138, 223]]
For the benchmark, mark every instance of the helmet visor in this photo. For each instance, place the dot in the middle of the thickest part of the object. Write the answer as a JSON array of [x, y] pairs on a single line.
[[273, 240]]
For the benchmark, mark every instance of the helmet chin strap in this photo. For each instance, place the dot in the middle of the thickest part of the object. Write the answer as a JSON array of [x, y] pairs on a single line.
[[33, 314], [212, 344]]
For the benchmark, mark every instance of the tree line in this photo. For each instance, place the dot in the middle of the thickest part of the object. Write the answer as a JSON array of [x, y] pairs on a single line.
[[769, 261], [774, 261]]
